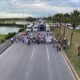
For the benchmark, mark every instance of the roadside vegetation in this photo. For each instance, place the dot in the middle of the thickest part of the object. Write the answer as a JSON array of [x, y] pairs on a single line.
[[21, 30], [4, 37], [13, 20]]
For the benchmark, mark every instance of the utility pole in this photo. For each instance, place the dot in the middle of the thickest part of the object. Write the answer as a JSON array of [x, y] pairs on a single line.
[[24, 21]]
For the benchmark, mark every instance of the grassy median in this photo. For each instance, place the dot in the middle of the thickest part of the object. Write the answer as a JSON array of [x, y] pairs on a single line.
[[72, 51]]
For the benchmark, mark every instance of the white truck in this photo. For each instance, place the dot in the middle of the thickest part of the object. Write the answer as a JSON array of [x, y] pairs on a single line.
[[35, 27], [29, 27], [47, 27]]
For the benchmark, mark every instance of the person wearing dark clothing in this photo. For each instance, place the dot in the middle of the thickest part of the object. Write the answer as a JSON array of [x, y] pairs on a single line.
[[38, 40], [58, 45], [29, 41], [79, 50]]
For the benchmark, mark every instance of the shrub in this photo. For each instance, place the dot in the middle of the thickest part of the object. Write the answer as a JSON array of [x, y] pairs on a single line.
[[10, 35], [2, 40], [21, 30]]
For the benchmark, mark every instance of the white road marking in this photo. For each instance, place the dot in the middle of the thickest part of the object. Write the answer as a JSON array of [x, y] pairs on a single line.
[[48, 53], [32, 53]]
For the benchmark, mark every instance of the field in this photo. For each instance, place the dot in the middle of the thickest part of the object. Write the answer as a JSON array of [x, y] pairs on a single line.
[[72, 51], [2, 36]]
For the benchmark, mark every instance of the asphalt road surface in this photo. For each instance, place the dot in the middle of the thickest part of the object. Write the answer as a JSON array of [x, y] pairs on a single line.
[[34, 62]]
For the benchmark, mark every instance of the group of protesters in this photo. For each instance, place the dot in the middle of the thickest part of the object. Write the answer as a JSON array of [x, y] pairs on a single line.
[[30, 39], [38, 39], [56, 44], [42, 38]]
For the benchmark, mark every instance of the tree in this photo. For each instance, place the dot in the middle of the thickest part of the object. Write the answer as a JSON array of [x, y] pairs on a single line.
[[58, 20], [31, 19], [66, 19], [75, 17]]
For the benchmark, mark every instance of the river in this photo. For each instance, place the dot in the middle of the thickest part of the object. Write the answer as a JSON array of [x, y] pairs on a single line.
[[6, 30]]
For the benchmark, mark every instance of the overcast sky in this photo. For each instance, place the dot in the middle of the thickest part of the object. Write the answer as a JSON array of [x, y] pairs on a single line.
[[36, 8]]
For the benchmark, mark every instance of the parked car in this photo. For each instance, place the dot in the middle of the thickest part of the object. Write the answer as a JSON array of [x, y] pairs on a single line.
[[78, 28]]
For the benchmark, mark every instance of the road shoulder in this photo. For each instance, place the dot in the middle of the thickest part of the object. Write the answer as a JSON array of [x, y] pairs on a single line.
[[73, 71]]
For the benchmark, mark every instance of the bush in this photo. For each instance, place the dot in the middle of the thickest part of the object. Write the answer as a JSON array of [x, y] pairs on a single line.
[[21, 30], [10, 35], [2, 40]]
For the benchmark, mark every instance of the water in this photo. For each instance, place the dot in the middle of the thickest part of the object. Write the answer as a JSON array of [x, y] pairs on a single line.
[[6, 30]]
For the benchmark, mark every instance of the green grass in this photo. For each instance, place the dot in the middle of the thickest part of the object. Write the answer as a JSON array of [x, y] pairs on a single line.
[[72, 51], [2, 36]]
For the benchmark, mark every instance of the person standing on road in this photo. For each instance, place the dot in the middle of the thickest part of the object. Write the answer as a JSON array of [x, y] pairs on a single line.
[[54, 42], [79, 50], [29, 41], [12, 40], [22, 39], [26, 39], [58, 45]]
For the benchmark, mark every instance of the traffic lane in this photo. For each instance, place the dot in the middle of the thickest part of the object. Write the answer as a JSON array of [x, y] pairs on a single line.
[[38, 67], [14, 61], [58, 68], [37, 64]]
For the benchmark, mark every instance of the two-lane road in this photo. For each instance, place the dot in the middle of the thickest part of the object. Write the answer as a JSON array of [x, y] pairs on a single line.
[[35, 62]]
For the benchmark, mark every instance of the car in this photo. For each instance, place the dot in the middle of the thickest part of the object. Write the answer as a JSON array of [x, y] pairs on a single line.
[[70, 27], [78, 28], [31, 35]]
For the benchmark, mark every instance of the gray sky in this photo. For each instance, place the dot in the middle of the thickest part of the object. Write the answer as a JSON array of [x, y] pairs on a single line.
[[36, 8]]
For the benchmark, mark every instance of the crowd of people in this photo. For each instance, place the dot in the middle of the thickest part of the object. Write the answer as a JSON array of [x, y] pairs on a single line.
[[30, 38], [40, 38]]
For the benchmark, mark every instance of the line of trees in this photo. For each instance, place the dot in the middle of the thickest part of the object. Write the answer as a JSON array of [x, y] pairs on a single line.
[[18, 19], [73, 18]]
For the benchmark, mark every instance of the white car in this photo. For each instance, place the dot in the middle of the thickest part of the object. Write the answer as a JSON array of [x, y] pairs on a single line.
[[31, 35], [70, 27], [78, 28]]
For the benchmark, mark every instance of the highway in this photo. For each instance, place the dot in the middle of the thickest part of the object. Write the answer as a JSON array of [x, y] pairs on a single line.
[[34, 62]]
